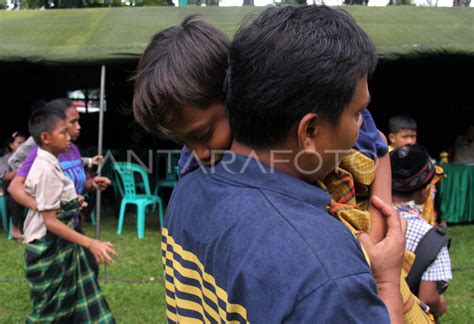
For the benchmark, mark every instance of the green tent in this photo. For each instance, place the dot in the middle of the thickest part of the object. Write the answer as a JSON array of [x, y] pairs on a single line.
[[113, 35], [427, 62]]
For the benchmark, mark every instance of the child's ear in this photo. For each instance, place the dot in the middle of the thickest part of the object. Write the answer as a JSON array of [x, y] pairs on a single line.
[[44, 138], [308, 129], [391, 137]]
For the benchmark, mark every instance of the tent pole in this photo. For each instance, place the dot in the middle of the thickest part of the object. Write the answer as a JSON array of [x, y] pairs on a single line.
[[101, 136]]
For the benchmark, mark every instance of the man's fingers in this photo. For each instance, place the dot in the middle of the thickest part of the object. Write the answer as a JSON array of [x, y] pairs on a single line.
[[404, 224], [393, 219], [378, 203], [365, 240]]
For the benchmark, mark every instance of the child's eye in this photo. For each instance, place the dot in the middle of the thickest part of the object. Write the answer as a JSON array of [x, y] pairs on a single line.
[[205, 136], [358, 115]]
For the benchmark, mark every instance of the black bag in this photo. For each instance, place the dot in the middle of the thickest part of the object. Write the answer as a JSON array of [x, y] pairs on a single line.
[[426, 252]]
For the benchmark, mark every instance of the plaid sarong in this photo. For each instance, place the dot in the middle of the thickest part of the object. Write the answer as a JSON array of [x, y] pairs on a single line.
[[349, 189], [63, 286]]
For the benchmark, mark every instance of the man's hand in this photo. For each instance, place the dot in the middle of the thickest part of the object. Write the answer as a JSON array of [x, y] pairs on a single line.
[[386, 258], [97, 159], [101, 183]]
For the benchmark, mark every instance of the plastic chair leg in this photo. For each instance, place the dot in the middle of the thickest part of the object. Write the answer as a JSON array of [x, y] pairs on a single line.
[[141, 220], [10, 237], [160, 210], [3, 211], [122, 214], [93, 216]]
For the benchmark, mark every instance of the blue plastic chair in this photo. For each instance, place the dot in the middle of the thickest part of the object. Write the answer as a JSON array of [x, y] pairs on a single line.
[[127, 171], [3, 209], [171, 177], [10, 236]]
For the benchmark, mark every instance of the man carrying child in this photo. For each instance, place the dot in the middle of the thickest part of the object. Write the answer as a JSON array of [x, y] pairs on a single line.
[[249, 239]]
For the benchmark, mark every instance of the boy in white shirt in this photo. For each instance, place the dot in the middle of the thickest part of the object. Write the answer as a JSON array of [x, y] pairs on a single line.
[[63, 286]]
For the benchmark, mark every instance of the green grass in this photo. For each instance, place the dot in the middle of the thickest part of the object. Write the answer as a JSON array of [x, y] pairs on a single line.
[[134, 285], [460, 293]]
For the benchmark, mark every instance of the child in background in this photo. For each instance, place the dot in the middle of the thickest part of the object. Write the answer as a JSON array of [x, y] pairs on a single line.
[[6, 175], [63, 286], [402, 131], [412, 173]]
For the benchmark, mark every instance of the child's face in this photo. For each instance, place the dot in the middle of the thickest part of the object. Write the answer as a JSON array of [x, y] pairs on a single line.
[[204, 131], [59, 140], [402, 137], [16, 143]]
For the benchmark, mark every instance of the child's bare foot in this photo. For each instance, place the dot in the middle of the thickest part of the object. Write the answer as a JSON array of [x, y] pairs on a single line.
[[16, 234]]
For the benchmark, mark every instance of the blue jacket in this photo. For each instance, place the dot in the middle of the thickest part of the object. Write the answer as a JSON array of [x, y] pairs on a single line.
[[242, 242]]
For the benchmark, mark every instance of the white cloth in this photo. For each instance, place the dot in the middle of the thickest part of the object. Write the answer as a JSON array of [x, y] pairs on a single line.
[[48, 184]]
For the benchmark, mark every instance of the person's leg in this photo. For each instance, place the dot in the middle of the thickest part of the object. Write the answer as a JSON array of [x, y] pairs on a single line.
[[17, 213]]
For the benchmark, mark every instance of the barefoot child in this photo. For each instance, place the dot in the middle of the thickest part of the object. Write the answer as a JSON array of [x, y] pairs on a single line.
[[63, 286]]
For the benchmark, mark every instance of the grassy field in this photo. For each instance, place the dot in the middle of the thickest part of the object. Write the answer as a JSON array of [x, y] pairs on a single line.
[[134, 284]]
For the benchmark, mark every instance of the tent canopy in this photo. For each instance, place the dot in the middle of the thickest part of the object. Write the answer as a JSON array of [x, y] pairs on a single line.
[[118, 35]]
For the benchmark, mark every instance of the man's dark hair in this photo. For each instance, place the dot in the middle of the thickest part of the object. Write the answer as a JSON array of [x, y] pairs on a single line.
[[401, 122], [44, 120], [289, 62], [182, 65], [60, 103]]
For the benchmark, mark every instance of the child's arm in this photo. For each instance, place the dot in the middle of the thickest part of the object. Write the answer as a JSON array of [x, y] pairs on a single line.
[[382, 188], [101, 250], [428, 293], [386, 258], [19, 194]]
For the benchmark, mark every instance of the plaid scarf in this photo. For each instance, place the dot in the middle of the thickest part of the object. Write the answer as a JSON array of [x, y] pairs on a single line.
[[349, 188]]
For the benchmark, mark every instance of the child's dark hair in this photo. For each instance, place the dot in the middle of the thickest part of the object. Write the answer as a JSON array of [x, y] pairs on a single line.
[[401, 122], [291, 61], [44, 120], [412, 169], [183, 65], [10, 139]]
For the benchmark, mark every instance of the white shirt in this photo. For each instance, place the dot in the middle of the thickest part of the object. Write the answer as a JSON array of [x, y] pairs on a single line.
[[48, 184]]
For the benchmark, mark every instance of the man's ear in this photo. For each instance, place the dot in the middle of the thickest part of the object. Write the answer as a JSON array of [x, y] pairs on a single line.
[[308, 129]]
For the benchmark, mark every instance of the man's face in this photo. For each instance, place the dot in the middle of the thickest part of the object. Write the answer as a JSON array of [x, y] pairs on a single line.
[[202, 131], [72, 122], [402, 137], [333, 142]]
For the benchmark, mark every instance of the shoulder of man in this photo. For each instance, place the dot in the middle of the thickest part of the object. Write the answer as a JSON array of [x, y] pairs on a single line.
[[303, 227]]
